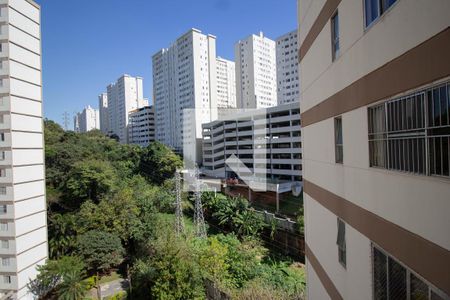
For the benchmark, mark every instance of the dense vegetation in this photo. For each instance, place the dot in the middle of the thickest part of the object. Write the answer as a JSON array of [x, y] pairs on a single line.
[[110, 207]]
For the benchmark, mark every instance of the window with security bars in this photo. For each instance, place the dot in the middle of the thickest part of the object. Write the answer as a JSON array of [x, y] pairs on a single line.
[[412, 133], [392, 280], [338, 141]]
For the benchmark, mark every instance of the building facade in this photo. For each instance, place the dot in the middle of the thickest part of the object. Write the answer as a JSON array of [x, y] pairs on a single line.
[[23, 221], [103, 112], [256, 72], [125, 95], [375, 102], [141, 126], [184, 77], [226, 84], [267, 141], [87, 120], [288, 88]]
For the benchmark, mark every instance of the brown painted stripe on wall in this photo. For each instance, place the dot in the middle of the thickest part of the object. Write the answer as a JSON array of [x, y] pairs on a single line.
[[323, 276], [428, 62], [325, 14], [428, 259]]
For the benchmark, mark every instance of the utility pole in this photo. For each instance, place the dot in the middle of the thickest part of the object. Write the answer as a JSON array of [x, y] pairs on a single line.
[[179, 221], [200, 228]]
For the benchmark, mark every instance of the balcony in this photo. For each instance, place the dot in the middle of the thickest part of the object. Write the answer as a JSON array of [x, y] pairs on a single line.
[[8, 286], [7, 229], [11, 268], [9, 214], [8, 195], [5, 158], [7, 247]]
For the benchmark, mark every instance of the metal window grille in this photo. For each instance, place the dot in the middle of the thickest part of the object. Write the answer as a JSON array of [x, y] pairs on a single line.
[[412, 133], [391, 280], [5, 244]]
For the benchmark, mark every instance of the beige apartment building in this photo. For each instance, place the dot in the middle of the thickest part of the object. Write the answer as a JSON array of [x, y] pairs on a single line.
[[375, 103]]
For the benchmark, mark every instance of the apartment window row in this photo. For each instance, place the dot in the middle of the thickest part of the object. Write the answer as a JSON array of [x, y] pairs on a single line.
[[392, 280], [412, 133]]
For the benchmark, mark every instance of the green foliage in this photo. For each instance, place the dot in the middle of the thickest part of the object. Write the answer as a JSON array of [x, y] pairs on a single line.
[[122, 295], [62, 234], [72, 287], [159, 163], [54, 273], [90, 179], [100, 250]]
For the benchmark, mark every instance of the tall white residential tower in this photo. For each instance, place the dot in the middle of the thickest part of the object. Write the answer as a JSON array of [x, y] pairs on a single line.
[[184, 77], [288, 88], [226, 84], [256, 72], [124, 96], [103, 112], [141, 126], [87, 120], [23, 222]]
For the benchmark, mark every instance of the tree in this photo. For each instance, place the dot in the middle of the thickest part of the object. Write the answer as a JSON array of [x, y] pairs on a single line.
[[100, 250], [90, 179], [159, 163], [62, 232], [51, 275], [72, 287]]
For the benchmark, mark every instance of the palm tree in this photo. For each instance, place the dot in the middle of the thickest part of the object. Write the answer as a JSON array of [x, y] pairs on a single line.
[[73, 287]]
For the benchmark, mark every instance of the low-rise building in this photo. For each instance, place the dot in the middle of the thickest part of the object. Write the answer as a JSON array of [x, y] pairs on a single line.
[[266, 141], [141, 126]]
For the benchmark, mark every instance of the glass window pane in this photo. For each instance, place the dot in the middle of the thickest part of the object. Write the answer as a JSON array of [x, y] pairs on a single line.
[[371, 11], [444, 108], [379, 275], [419, 290], [397, 280]]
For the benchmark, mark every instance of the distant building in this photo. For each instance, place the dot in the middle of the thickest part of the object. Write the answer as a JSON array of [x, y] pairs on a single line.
[[375, 102], [226, 84], [103, 112], [267, 141], [256, 72], [288, 88], [23, 211], [184, 77], [87, 120], [123, 96], [141, 126]]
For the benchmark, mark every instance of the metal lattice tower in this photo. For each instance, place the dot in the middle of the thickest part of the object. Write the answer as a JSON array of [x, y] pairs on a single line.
[[200, 228], [66, 120], [179, 221]]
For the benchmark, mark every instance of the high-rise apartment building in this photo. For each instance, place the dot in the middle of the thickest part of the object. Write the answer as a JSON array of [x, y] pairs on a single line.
[[184, 77], [256, 72], [288, 89], [375, 102], [226, 84], [103, 112], [87, 120], [23, 222], [124, 96], [141, 126]]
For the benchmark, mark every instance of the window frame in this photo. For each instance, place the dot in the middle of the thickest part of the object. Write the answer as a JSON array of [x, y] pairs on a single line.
[[335, 40], [338, 160], [342, 249], [380, 13], [409, 272]]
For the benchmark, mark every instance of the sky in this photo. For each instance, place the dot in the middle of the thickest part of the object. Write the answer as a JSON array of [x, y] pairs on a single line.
[[87, 44]]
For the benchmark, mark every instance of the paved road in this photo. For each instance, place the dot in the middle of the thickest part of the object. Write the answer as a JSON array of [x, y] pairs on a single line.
[[111, 288]]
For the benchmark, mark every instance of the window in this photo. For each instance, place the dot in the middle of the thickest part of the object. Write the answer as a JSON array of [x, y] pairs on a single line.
[[2, 190], [342, 253], [392, 280], [5, 244], [2, 173], [412, 133], [6, 279], [339, 151], [335, 35], [375, 8], [3, 209], [4, 226], [2, 136], [6, 262]]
